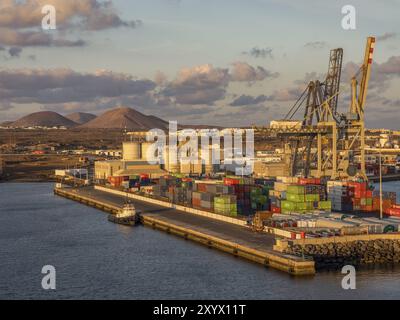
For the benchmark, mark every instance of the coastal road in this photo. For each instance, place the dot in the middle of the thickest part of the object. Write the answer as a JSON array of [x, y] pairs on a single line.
[[238, 234]]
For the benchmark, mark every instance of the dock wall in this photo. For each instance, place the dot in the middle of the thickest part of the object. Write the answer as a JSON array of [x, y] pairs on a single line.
[[283, 262], [86, 200]]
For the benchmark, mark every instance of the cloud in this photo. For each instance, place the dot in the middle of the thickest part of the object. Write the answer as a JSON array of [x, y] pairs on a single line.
[[386, 36], [84, 14], [26, 86], [260, 52], [206, 84], [5, 106], [245, 100], [381, 73], [286, 94], [310, 76], [243, 72], [21, 21], [198, 85], [160, 78], [316, 45], [32, 39]]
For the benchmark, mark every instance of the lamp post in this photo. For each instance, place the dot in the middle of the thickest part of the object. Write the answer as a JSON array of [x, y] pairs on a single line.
[[380, 187]]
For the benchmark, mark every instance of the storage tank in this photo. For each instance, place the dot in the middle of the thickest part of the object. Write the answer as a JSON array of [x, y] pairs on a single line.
[[209, 167], [173, 168], [130, 150], [145, 147]]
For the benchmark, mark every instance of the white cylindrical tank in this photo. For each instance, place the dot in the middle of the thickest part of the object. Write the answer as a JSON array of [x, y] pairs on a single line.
[[211, 167], [165, 166], [130, 150], [144, 149]]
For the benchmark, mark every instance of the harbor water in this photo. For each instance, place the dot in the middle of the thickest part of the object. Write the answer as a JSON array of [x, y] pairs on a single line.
[[96, 259]]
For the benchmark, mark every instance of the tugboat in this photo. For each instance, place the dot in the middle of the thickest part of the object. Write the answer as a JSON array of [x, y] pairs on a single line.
[[127, 216]]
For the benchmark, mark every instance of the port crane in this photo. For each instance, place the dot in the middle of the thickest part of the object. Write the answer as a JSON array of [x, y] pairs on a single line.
[[339, 136]]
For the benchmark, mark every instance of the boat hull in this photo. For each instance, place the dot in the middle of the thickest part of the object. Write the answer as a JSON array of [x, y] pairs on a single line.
[[127, 221]]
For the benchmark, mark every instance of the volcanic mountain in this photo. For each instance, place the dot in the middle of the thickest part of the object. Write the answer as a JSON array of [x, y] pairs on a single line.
[[126, 118], [80, 117], [6, 123], [44, 119]]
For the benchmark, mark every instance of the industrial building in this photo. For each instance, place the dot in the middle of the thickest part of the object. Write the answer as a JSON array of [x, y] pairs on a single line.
[[133, 162]]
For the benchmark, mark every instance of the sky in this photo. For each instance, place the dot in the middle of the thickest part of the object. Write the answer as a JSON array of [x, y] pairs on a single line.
[[225, 62]]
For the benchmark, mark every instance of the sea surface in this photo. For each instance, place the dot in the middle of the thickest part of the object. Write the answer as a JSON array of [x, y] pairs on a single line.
[[96, 259]]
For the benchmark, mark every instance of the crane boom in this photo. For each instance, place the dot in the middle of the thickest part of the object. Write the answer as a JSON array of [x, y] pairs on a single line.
[[365, 75], [369, 52]]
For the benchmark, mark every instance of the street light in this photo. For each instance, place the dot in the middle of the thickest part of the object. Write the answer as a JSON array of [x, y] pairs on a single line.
[[380, 187]]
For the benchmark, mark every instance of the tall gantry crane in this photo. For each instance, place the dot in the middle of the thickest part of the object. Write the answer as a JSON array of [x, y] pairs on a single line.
[[340, 136]]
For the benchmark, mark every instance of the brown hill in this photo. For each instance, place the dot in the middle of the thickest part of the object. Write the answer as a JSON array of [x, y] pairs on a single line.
[[6, 123], [43, 119], [80, 117], [123, 117]]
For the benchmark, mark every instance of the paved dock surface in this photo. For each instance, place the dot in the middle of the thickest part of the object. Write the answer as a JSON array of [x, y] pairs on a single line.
[[238, 234]]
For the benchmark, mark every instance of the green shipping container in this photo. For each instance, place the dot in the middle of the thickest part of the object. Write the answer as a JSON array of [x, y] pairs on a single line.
[[288, 205], [304, 205], [295, 197], [325, 205], [262, 199], [312, 197], [255, 192], [294, 189]]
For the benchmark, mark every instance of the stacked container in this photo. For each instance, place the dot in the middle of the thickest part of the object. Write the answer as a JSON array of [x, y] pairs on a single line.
[[338, 194], [388, 202], [259, 198], [225, 204], [301, 197], [361, 196]]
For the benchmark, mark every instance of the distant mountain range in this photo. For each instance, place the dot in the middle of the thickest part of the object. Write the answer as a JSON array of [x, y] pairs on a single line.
[[117, 118]]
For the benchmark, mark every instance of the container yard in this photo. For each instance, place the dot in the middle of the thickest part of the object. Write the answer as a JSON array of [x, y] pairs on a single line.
[[293, 203]]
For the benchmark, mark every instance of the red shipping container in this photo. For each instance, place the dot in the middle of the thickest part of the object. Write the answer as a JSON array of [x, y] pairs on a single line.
[[305, 181], [359, 193], [367, 208], [275, 209], [386, 204], [196, 202], [393, 212], [362, 186], [230, 181], [201, 187]]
